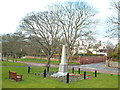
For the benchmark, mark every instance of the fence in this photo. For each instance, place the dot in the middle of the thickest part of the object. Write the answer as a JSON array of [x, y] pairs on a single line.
[[75, 75]]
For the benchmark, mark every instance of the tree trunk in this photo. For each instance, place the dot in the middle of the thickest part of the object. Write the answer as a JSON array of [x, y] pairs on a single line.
[[59, 57], [48, 64], [2, 57], [7, 57], [69, 57], [13, 57]]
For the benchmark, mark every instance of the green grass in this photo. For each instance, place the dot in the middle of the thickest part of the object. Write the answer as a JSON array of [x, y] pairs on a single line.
[[42, 61], [32, 81], [6, 63]]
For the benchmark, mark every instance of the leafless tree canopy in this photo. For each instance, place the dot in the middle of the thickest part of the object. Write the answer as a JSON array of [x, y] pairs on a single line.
[[114, 20], [43, 29], [65, 22], [76, 19]]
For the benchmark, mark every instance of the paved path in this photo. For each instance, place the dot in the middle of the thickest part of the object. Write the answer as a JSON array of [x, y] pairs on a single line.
[[87, 67], [101, 67]]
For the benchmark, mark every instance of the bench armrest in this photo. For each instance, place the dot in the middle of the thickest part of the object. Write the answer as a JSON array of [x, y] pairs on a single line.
[[19, 76]]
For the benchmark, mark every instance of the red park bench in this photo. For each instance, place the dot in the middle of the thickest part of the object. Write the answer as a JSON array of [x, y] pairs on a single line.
[[14, 76]]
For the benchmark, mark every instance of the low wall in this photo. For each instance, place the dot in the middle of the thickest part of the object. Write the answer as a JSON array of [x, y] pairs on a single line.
[[79, 59], [113, 64], [91, 59]]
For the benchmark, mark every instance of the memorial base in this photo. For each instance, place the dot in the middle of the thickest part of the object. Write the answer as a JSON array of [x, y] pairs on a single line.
[[62, 70]]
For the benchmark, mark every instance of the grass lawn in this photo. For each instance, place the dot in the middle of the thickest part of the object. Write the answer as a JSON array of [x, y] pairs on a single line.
[[32, 81], [42, 61], [6, 63]]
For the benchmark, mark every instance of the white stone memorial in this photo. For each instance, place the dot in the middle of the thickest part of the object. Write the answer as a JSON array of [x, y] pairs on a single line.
[[63, 66]]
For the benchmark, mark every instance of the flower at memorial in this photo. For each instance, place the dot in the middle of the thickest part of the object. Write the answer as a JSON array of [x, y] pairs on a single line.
[[73, 75], [80, 74], [88, 75], [87, 78]]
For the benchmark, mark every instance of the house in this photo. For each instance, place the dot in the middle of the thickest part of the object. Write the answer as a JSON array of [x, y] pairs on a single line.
[[83, 48]]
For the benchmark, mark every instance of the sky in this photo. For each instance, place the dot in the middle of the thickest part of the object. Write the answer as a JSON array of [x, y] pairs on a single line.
[[12, 11]]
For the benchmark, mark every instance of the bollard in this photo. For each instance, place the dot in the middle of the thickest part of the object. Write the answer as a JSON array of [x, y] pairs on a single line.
[[95, 73], [78, 70], [84, 75], [67, 78], [73, 70], [44, 73], [28, 69]]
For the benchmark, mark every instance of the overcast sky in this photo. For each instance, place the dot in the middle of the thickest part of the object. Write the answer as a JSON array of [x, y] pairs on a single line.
[[12, 11]]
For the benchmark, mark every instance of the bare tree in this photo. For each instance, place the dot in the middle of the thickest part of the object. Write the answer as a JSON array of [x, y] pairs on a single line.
[[110, 49], [42, 28], [113, 21], [76, 19]]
